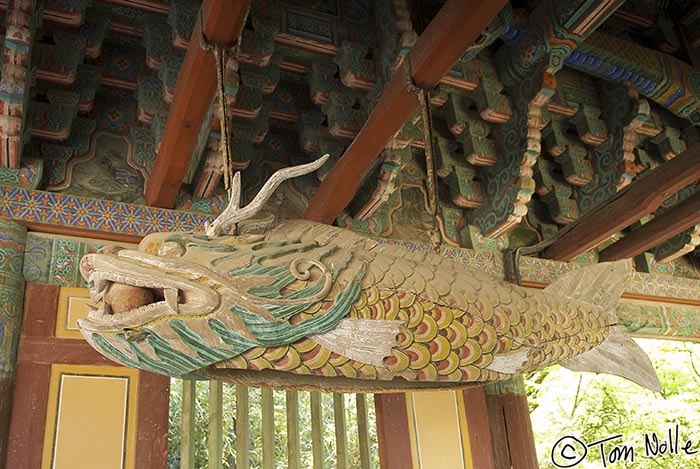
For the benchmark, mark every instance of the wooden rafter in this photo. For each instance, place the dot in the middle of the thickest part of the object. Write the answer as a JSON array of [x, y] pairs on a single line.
[[637, 200], [449, 34], [677, 219], [196, 84]]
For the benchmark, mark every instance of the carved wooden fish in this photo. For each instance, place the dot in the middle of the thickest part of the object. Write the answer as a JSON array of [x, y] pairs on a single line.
[[314, 306]]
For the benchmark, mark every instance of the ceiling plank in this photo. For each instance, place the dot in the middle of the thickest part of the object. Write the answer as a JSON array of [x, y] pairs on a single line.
[[637, 200], [677, 219], [456, 27], [196, 84]]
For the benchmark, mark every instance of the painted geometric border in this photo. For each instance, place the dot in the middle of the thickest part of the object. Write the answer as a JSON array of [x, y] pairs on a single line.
[[92, 214], [667, 320]]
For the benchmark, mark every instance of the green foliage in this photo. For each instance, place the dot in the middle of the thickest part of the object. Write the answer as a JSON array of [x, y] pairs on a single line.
[[592, 407], [200, 428], [280, 430], [533, 386]]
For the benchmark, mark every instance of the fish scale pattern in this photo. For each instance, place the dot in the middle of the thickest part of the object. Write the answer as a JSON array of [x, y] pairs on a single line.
[[281, 302], [455, 322]]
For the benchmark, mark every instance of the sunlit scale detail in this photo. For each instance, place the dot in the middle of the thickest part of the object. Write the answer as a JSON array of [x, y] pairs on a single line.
[[456, 334], [289, 362], [428, 373], [439, 349], [338, 360], [259, 364], [276, 353], [426, 330], [449, 365], [366, 372], [347, 371]]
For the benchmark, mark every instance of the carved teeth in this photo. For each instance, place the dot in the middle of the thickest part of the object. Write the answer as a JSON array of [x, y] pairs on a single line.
[[97, 285], [92, 311], [171, 295]]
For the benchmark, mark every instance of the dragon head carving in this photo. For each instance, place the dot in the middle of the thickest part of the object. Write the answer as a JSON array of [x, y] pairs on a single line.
[[159, 281], [161, 306]]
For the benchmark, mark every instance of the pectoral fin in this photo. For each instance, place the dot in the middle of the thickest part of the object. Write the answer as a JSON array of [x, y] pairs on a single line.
[[365, 340], [510, 363], [618, 355]]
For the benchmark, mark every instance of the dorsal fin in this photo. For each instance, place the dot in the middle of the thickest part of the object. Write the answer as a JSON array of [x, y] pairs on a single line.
[[599, 284]]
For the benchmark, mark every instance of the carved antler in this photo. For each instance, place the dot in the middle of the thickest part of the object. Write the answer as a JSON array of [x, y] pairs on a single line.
[[233, 214]]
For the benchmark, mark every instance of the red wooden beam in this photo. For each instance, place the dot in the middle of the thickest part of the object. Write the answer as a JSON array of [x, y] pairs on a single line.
[[81, 232], [675, 220], [456, 27], [637, 200], [196, 84]]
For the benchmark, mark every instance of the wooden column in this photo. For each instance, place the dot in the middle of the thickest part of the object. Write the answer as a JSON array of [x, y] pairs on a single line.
[[196, 84], [12, 242], [392, 431], [638, 199], [153, 420], [480, 442], [509, 421], [456, 27], [32, 383]]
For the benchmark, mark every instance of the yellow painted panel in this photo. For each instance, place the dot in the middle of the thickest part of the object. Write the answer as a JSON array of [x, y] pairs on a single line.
[[91, 417], [438, 436], [71, 307], [410, 411], [464, 430]]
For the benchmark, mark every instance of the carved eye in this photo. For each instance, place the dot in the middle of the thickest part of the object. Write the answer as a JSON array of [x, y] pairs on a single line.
[[171, 249]]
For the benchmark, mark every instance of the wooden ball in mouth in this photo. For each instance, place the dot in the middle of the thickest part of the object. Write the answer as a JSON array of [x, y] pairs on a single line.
[[122, 298]]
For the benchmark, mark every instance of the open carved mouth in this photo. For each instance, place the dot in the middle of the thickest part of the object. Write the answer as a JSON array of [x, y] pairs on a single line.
[[128, 289], [116, 295]]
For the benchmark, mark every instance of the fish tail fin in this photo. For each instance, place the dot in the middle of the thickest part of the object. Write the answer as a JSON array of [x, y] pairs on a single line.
[[602, 285], [617, 355]]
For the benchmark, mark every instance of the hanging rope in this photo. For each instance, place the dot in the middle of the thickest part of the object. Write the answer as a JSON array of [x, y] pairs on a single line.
[[423, 96], [234, 213], [221, 54]]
